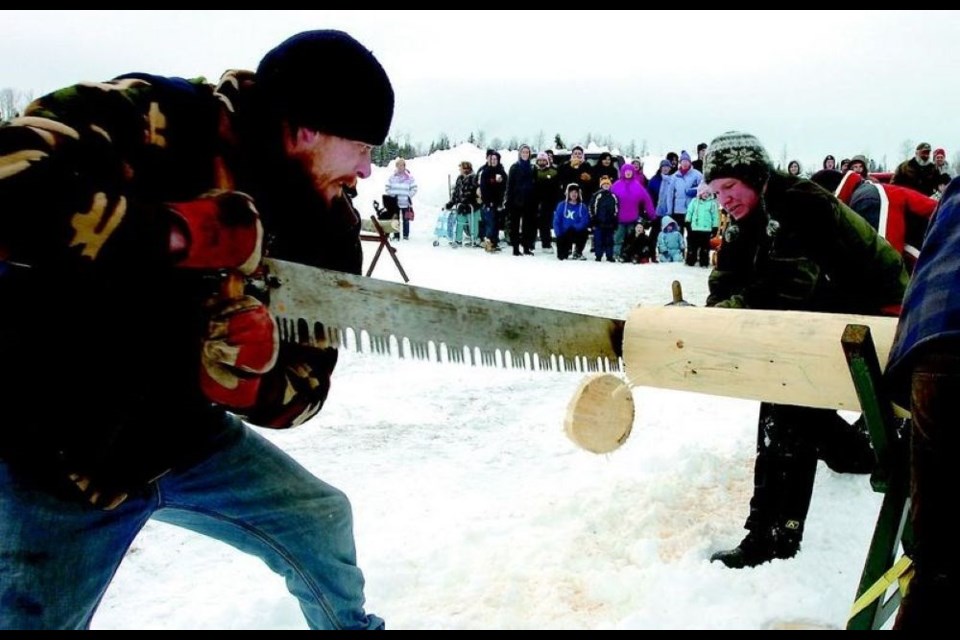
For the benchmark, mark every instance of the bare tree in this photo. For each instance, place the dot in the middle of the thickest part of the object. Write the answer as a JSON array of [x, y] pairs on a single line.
[[13, 102], [540, 140], [906, 149]]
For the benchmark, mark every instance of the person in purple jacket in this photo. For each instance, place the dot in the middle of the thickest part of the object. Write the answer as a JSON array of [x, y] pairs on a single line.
[[924, 374], [634, 200]]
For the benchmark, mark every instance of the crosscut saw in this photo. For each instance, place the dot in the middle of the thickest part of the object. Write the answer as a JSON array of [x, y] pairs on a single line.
[[325, 308]]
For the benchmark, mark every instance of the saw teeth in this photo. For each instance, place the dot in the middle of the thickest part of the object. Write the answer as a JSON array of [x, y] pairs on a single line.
[[293, 330]]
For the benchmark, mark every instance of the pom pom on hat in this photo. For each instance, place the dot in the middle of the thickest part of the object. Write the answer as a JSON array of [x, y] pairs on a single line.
[[735, 154], [287, 86]]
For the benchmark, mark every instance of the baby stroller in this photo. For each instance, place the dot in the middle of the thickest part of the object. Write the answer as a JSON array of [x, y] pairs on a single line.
[[446, 224]]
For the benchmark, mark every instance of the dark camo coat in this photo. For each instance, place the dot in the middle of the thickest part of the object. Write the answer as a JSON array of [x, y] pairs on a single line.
[[804, 250], [100, 335]]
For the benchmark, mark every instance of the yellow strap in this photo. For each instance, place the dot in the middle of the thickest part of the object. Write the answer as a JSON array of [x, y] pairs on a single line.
[[901, 572]]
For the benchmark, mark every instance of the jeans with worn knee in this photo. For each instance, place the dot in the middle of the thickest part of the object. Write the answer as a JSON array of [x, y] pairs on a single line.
[[58, 555]]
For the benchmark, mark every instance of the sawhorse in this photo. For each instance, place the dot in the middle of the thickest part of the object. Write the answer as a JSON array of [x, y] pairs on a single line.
[[891, 478], [384, 242]]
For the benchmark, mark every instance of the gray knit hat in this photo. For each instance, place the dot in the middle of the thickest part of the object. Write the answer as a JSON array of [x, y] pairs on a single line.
[[735, 154]]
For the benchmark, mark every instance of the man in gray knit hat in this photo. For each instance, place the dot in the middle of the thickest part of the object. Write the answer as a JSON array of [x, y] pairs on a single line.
[[790, 245]]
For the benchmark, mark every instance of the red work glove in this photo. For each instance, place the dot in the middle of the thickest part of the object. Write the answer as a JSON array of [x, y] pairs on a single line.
[[295, 390], [241, 344], [219, 230]]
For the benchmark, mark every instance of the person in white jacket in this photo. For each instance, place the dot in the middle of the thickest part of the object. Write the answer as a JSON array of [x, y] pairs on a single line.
[[403, 187]]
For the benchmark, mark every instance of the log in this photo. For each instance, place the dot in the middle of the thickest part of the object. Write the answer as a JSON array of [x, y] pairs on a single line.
[[786, 357]]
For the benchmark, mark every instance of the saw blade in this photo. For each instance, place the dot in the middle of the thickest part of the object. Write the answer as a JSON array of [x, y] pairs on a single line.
[[330, 308]]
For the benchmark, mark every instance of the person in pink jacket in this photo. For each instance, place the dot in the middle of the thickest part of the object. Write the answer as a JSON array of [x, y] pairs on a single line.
[[634, 200]]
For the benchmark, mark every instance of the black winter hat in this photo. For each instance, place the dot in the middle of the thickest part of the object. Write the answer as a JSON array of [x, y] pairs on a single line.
[[735, 154], [359, 104]]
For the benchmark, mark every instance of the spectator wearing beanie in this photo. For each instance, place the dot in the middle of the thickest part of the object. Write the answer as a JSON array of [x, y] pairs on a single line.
[[147, 187], [676, 193], [919, 172], [940, 161], [604, 212], [571, 220], [791, 245], [547, 193]]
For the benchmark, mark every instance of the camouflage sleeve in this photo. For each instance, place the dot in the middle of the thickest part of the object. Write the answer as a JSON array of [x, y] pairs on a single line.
[[66, 173]]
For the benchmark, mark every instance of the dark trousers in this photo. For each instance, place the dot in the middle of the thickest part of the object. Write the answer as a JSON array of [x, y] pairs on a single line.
[[790, 440], [698, 248], [655, 226], [571, 238], [545, 224], [523, 227], [935, 410]]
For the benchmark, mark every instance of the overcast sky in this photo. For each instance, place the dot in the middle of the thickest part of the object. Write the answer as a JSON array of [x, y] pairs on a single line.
[[807, 83]]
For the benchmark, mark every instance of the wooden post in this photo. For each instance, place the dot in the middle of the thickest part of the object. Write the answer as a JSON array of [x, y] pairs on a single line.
[[384, 241], [889, 478]]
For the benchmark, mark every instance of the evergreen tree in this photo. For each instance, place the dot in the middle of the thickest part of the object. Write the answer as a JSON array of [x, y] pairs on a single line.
[[558, 142]]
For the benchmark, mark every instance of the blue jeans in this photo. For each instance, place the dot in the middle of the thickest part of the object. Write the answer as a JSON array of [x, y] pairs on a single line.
[[490, 230], [57, 555]]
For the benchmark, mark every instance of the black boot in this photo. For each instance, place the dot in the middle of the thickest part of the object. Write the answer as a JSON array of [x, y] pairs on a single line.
[[846, 448], [760, 547], [783, 479]]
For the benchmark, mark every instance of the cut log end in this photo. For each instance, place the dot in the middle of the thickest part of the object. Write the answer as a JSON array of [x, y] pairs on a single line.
[[600, 414]]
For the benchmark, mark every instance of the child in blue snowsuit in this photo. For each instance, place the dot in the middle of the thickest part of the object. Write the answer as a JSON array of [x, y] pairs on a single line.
[[670, 243]]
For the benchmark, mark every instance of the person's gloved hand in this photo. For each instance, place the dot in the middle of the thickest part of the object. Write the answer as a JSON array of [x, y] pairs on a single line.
[[295, 390], [240, 345], [219, 230]]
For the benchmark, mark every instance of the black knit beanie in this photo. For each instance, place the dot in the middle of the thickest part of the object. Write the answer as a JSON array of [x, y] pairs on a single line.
[[355, 103], [735, 154]]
